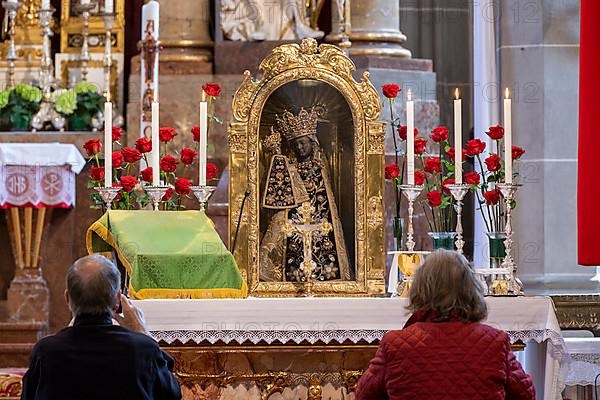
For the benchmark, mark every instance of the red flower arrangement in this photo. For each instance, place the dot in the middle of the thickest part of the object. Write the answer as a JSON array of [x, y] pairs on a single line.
[[491, 171], [131, 175]]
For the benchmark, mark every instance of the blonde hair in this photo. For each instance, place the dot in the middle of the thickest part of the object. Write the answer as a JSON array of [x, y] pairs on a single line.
[[445, 283]]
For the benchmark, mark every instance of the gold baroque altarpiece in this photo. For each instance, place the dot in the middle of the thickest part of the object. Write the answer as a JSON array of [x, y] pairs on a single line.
[[328, 66]]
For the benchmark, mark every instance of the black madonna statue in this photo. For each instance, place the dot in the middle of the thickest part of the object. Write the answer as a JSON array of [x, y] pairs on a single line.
[[294, 179]]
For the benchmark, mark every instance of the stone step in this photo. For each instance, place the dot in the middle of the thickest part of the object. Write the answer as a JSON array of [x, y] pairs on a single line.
[[22, 332], [15, 355]]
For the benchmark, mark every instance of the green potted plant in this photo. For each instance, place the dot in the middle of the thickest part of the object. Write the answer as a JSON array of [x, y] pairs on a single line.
[[65, 101], [89, 104], [18, 105]]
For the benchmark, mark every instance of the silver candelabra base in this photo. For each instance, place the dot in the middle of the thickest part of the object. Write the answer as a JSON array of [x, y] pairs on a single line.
[[411, 192], [203, 193], [108, 195], [156, 193]]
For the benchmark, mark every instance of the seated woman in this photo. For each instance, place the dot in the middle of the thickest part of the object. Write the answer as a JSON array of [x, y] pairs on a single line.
[[444, 351]]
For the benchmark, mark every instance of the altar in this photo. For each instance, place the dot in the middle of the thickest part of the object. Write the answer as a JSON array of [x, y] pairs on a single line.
[[318, 347]]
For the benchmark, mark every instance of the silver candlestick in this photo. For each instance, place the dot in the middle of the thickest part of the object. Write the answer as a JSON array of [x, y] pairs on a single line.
[[515, 286], [203, 193], [85, 49], [47, 113], [156, 193], [108, 194], [459, 192], [11, 8], [411, 192], [47, 68]]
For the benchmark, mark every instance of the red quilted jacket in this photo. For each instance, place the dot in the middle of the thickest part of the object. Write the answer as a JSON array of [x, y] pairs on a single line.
[[450, 360]]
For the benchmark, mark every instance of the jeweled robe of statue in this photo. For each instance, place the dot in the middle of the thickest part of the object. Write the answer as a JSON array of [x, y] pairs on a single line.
[[302, 177]]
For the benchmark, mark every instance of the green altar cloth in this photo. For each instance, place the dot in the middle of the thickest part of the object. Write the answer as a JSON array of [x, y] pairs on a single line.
[[171, 254]]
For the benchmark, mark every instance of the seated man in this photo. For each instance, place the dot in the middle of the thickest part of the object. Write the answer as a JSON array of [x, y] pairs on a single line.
[[95, 359]]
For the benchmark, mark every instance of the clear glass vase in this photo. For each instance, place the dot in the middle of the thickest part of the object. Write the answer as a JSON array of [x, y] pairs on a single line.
[[443, 240], [497, 249]]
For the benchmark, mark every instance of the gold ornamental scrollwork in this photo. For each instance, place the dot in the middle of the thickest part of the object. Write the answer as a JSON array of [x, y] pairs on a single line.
[[329, 65]]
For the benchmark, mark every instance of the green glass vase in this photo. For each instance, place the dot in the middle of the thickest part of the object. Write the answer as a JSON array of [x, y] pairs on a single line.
[[497, 249], [443, 240], [397, 233]]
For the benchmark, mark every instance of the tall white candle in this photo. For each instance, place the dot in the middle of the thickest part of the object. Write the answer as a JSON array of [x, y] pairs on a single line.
[[508, 138], [85, 2], [45, 4], [410, 138], [150, 20], [109, 6], [155, 161], [458, 174], [202, 143], [108, 144]]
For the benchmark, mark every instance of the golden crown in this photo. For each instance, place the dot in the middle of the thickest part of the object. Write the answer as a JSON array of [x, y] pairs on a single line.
[[295, 126]]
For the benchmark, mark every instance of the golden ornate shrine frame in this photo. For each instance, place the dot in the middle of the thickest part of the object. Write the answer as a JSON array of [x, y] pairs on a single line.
[[328, 64]]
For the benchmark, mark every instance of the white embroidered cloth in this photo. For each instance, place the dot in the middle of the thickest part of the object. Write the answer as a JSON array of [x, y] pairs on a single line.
[[585, 364], [39, 174], [336, 320]]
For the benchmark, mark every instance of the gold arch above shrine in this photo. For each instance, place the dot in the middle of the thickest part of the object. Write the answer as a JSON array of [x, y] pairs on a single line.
[[358, 155]]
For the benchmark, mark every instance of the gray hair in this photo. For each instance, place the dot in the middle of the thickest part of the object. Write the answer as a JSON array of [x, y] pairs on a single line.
[[93, 291], [445, 283]]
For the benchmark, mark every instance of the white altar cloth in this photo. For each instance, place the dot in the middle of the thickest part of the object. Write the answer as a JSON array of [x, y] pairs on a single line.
[[585, 364], [39, 174], [336, 320]]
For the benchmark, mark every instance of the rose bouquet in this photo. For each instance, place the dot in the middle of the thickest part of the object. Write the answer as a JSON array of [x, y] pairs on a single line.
[[483, 181], [437, 171], [489, 172], [394, 172]]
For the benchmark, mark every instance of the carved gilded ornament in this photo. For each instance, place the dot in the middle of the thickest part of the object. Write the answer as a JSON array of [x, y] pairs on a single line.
[[327, 64]]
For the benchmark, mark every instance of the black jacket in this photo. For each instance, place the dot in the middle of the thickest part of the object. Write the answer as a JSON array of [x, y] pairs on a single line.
[[97, 360]]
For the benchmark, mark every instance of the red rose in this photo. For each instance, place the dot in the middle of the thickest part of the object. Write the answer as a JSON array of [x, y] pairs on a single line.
[[211, 171], [212, 89], [188, 155], [392, 171], [434, 198], [432, 165], [517, 152], [475, 147], [452, 153], [131, 155], [147, 174], [420, 177], [168, 163], [420, 145], [182, 185], [495, 132], [92, 147], [493, 163], [128, 183], [143, 144], [168, 194], [447, 182], [439, 134], [166, 134], [117, 159], [196, 133], [390, 90], [116, 133], [97, 173], [472, 178], [492, 197], [402, 132]]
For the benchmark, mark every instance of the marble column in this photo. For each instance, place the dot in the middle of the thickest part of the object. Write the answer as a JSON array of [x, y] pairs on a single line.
[[375, 28], [185, 34]]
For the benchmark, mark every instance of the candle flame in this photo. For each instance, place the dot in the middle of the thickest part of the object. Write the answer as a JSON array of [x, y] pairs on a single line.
[[507, 94], [409, 95], [456, 94]]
